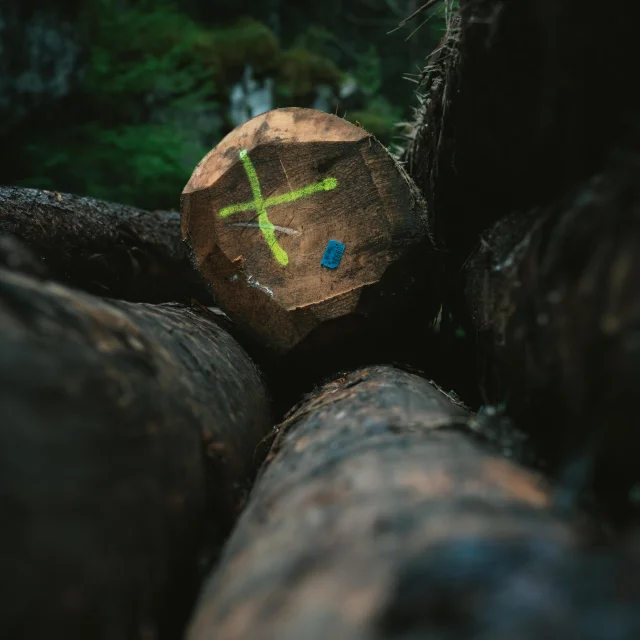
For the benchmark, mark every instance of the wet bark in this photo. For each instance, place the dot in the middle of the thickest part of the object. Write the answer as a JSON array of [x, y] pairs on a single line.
[[105, 248], [554, 298], [381, 515], [127, 439]]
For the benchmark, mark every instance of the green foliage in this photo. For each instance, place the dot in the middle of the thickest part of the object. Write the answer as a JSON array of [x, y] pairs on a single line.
[[146, 62], [155, 49], [152, 98], [320, 41], [145, 164], [150, 53], [247, 42], [379, 118], [368, 71], [301, 71]]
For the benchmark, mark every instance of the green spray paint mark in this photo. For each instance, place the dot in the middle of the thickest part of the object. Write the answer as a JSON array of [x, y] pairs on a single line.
[[260, 205]]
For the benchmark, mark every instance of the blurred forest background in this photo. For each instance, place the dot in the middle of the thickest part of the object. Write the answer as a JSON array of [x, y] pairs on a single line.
[[119, 99]]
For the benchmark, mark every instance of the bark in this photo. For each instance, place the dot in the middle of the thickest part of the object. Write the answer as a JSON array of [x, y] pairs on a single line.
[[104, 248], [554, 297], [127, 438], [381, 515], [516, 107], [15, 255], [506, 127]]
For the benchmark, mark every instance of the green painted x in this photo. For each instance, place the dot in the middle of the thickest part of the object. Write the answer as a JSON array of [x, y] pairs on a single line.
[[260, 205]]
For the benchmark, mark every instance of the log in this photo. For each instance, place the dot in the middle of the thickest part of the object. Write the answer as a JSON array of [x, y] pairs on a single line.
[[15, 255], [126, 444], [381, 515], [554, 299], [508, 106], [104, 248], [307, 229]]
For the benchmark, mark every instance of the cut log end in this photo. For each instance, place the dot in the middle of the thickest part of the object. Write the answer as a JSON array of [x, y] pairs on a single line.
[[293, 216]]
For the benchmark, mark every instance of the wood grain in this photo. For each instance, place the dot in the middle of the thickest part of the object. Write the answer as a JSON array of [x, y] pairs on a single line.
[[272, 280]]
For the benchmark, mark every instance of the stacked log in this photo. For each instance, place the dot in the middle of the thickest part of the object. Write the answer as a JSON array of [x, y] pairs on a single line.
[[104, 248], [381, 515], [512, 110], [554, 296], [131, 428], [310, 235], [538, 212], [127, 441]]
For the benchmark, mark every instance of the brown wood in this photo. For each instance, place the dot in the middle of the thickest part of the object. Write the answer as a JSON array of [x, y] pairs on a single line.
[[105, 248], [127, 439], [381, 515], [271, 280], [554, 297]]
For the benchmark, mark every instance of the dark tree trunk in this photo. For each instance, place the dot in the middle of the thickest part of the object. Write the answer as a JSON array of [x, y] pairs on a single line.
[[382, 516], [516, 108], [554, 297], [104, 248], [514, 119], [127, 436]]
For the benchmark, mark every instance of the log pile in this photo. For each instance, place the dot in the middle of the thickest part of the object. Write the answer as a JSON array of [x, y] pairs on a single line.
[[381, 516], [538, 211], [105, 248], [554, 296], [127, 438], [145, 358]]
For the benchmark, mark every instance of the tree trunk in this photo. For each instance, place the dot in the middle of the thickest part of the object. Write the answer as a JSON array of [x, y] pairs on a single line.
[[310, 235], [514, 111], [382, 516], [554, 297], [127, 437], [104, 248], [506, 127]]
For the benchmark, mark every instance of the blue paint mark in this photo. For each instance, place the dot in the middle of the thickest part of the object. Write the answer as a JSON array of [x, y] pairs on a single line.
[[332, 254]]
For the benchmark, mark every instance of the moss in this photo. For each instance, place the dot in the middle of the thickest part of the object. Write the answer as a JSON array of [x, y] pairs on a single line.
[[149, 71], [368, 71], [145, 48], [320, 41], [145, 165], [158, 50], [247, 43], [378, 118], [301, 72]]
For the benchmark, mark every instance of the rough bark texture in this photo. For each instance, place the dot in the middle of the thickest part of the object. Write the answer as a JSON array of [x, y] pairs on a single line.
[[512, 120], [126, 435], [307, 229], [554, 297], [104, 248], [513, 109], [381, 516]]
